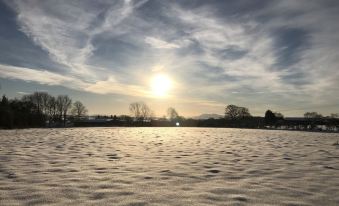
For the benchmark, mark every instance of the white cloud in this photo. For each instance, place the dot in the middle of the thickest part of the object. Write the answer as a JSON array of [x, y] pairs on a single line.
[[23, 93], [187, 38], [109, 86], [160, 44], [66, 31], [40, 76], [215, 34]]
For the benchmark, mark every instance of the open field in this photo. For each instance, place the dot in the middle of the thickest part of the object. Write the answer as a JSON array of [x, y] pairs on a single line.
[[168, 166]]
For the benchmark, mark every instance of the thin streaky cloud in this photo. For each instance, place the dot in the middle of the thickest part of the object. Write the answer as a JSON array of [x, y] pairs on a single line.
[[219, 52]]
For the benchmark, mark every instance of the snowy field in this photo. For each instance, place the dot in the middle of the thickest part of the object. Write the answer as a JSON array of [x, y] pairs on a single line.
[[168, 166]]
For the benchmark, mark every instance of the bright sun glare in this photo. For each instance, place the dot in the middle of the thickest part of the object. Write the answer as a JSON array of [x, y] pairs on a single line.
[[161, 84]]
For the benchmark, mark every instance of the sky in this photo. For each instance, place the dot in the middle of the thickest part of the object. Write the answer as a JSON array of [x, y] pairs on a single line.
[[261, 54]]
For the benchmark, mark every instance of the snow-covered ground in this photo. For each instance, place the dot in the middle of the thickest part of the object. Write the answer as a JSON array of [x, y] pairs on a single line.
[[168, 166]]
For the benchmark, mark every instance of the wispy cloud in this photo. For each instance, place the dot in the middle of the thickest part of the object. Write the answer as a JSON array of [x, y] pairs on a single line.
[[217, 53], [23, 93], [160, 44], [40, 76], [109, 86]]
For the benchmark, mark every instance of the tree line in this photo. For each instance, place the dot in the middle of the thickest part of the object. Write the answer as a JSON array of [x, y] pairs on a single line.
[[238, 117], [142, 112], [39, 109]]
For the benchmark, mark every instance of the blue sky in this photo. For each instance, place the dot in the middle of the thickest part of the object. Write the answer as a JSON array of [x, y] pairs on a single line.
[[279, 55]]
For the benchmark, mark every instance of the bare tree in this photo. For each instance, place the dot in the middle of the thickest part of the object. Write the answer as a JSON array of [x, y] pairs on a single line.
[[235, 112], [44, 102], [140, 110], [37, 99], [146, 112], [51, 109], [135, 109], [172, 113], [41, 102], [59, 107], [231, 112], [79, 109], [243, 112], [63, 103]]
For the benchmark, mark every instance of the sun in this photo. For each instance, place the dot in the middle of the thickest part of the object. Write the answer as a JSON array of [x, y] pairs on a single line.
[[160, 84]]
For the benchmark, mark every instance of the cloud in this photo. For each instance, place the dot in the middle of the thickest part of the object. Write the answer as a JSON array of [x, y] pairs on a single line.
[[111, 86], [40, 76], [217, 52], [23, 93], [160, 44], [66, 31]]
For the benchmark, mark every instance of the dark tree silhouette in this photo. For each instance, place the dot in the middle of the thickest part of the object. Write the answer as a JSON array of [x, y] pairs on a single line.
[[309, 115], [135, 109], [6, 118], [270, 118], [146, 112], [35, 110], [172, 114], [19, 114], [51, 110], [243, 112], [140, 111], [231, 112], [39, 99], [234, 112], [79, 109]]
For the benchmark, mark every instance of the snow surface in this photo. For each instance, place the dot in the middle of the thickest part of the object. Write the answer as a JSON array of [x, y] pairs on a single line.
[[168, 166]]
